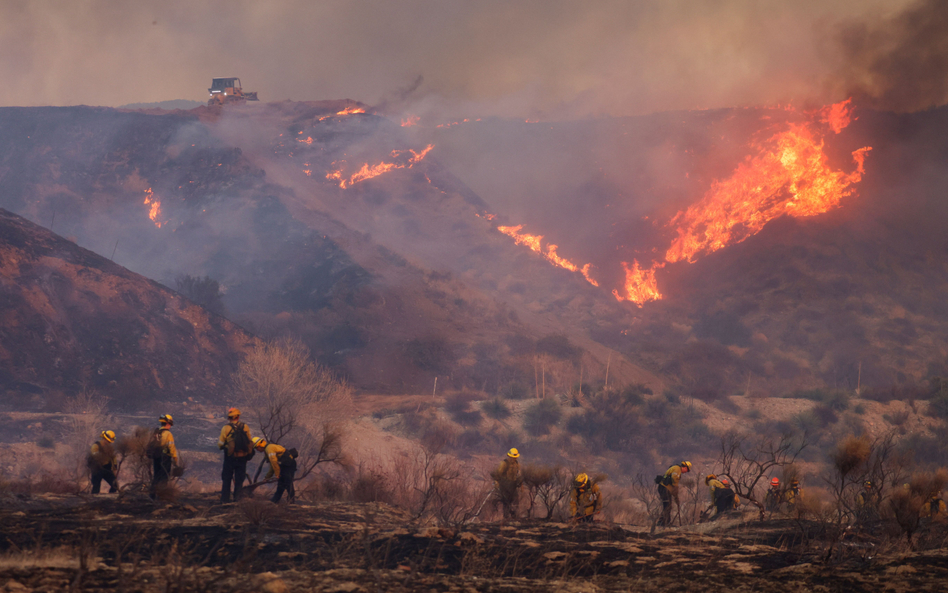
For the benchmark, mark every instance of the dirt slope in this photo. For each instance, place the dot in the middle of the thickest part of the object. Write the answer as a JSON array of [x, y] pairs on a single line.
[[73, 320]]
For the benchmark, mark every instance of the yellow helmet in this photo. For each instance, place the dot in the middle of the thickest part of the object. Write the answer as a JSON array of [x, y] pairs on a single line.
[[167, 419], [710, 477], [582, 480], [685, 465], [259, 442], [513, 453], [233, 413], [108, 435]]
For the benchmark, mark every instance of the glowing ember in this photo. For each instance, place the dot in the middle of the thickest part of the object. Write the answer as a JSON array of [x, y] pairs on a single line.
[[534, 243], [154, 210], [369, 171], [457, 123], [308, 140], [411, 120], [640, 285]]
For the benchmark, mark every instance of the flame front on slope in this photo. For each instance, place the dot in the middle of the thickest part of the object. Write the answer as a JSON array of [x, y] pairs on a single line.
[[789, 175]]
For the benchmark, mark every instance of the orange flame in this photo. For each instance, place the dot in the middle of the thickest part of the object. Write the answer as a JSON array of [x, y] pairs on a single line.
[[154, 204], [837, 116], [534, 243], [790, 176], [640, 285], [369, 171], [411, 120], [457, 123], [350, 111]]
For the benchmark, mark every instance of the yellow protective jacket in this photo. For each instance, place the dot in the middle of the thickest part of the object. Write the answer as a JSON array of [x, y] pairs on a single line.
[[166, 441], [508, 471], [935, 507], [226, 440], [102, 454], [793, 495], [867, 498], [586, 501], [507, 477], [273, 452], [715, 485], [672, 474]]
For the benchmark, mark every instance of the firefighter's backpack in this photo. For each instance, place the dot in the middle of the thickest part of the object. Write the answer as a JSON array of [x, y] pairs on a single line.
[[153, 449]]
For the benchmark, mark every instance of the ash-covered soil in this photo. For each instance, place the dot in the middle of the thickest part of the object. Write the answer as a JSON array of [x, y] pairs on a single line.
[[128, 543]]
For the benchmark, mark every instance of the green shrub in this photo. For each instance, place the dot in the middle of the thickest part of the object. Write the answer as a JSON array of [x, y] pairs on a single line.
[[496, 408], [515, 391], [541, 416], [558, 346], [837, 399], [938, 405], [754, 414], [432, 354]]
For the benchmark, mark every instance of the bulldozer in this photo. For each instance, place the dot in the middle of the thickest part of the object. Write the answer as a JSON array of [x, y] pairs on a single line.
[[227, 90]]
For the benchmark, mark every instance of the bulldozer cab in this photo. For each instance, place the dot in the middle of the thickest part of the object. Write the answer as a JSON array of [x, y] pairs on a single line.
[[222, 85], [227, 90]]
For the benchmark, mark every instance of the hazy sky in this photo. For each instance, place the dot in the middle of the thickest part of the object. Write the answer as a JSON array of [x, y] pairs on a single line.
[[544, 58]]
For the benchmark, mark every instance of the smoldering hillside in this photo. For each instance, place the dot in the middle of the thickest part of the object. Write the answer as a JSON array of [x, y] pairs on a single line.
[[402, 276]]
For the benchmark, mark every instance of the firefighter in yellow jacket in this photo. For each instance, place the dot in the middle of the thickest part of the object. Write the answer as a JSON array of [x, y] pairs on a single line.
[[164, 454], [282, 466], [507, 481], [236, 443], [102, 464], [793, 495], [934, 508], [722, 497], [668, 489], [585, 500]]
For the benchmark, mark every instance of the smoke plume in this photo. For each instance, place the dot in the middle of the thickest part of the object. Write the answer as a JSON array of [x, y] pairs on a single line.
[[899, 63]]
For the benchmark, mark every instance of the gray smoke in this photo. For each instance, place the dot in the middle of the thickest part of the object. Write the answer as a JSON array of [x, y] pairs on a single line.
[[899, 63], [536, 59]]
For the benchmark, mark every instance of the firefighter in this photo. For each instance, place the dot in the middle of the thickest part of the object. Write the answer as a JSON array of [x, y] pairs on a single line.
[[867, 503], [585, 500], [102, 464], [794, 494], [164, 454], [668, 489], [737, 500], [934, 508], [236, 443], [282, 466], [507, 481], [774, 497], [722, 497]]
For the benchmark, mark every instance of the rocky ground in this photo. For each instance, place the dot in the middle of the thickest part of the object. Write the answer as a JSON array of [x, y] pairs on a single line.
[[128, 543]]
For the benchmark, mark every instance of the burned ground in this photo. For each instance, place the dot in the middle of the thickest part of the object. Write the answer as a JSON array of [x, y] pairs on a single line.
[[129, 543]]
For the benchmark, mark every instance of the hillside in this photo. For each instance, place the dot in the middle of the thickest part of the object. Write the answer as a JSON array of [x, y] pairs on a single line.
[[71, 320], [383, 246]]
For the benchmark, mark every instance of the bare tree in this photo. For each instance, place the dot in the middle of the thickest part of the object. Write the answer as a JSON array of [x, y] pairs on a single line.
[[545, 485], [747, 461], [88, 417], [294, 401]]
